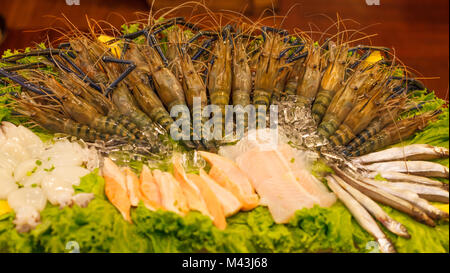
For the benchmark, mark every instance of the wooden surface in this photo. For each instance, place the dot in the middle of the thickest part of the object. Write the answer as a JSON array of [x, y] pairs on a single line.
[[417, 30]]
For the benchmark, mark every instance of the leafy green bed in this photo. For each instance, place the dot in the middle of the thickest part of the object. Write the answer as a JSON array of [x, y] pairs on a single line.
[[101, 228]]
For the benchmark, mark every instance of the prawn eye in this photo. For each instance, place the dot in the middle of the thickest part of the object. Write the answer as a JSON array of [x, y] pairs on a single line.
[[315, 66]]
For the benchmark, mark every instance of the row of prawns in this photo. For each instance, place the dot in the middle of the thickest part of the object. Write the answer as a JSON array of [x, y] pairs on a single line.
[[96, 92], [218, 194]]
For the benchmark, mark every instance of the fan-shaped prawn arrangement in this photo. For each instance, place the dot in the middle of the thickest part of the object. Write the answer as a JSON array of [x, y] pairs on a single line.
[[339, 102]]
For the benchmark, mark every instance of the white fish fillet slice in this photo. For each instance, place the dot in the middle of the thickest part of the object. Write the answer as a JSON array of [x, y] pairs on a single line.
[[304, 177], [261, 165], [315, 188], [266, 164], [284, 197], [276, 184]]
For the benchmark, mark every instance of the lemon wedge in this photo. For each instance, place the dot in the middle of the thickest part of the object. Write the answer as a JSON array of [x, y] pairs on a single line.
[[443, 207], [374, 57], [4, 207], [115, 47]]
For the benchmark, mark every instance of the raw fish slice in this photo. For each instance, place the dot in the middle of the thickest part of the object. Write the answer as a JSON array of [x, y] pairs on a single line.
[[228, 175], [261, 165], [284, 197], [214, 206], [132, 182], [149, 190], [118, 197], [297, 161], [116, 189], [315, 187], [111, 169], [172, 197], [278, 186], [191, 191], [229, 202]]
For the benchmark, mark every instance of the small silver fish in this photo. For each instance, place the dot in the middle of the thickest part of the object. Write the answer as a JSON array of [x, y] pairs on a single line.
[[409, 152], [373, 208], [384, 197], [403, 177], [409, 196], [423, 168], [430, 193], [362, 216]]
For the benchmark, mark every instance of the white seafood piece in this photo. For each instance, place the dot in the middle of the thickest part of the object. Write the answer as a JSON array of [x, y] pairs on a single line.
[[65, 153], [23, 136], [82, 199], [70, 174], [11, 132], [27, 218], [27, 203], [33, 197], [24, 168], [6, 163], [14, 152], [2, 137], [6, 174], [7, 184], [34, 179], [58, 191]]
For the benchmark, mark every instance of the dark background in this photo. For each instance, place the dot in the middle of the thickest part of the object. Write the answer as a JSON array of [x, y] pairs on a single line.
[[416, 29]]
